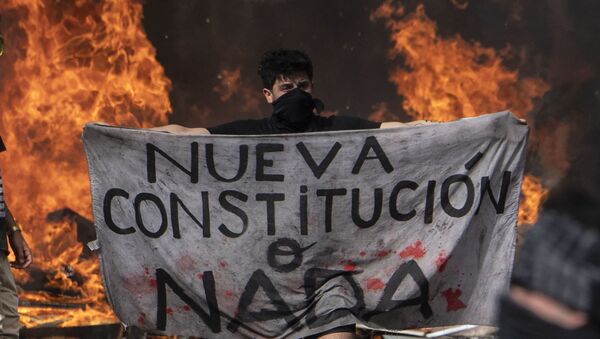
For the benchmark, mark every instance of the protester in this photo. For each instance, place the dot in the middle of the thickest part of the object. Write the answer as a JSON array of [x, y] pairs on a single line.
[[287, 77], [9, 318], [555, 290]]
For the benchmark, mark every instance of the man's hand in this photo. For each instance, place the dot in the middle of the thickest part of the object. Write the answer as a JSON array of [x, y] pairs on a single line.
[[20, 249]]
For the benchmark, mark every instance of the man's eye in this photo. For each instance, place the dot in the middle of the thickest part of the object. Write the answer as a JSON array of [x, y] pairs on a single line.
[[286, 87], [304, 85]]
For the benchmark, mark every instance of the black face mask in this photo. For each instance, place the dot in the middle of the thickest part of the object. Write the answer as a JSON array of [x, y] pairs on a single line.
[[2, 147], [516, 322], [294, 109]]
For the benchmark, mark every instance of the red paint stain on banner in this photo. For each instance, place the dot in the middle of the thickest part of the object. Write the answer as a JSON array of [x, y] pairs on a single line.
[[169, 310], [186, 308], [452, 299], [152, 282], [223, 264], [228, 293], [441, 261], [136, 284], [382, 253], [350, 266], [142, 319], [375, 284], [146, 270], [362, 253], [185, 263], [200, 275], [415, 251]]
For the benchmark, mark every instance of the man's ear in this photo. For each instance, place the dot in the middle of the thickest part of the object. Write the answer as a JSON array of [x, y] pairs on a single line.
[[268, 95]]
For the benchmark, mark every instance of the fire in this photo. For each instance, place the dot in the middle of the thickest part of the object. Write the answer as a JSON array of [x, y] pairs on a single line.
[[533, 196], [447, 79], [228, 83], [70, 62], [444, 79], [381, 112], [232, 86], [67, 63]]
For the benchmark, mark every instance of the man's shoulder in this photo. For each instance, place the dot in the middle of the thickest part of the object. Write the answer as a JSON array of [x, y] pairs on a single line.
[[242, 127], [344, 122]]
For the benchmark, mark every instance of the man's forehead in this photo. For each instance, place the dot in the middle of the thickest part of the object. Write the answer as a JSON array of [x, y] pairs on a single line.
[[293, 78]]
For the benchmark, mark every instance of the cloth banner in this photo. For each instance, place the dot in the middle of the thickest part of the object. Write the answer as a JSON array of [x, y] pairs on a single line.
[[290, 235]]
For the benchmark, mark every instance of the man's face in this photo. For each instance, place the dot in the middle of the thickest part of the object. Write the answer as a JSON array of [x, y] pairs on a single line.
[[283, 85]]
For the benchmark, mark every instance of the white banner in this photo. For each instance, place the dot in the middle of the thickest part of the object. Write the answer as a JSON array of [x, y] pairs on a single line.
[[291, 235]]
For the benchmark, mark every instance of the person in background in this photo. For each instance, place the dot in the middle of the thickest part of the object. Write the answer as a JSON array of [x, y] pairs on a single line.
[[9, 318], [555, 287]]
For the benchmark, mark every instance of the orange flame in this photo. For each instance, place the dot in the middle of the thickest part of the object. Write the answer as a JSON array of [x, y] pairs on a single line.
[[67, 63], [228, 83], [232, 86], [381, 112], [533, 196], [447, 79]]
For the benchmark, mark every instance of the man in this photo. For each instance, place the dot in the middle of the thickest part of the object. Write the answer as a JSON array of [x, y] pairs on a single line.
[[9, 318], [555, 284], [287, 77], [287, 85]]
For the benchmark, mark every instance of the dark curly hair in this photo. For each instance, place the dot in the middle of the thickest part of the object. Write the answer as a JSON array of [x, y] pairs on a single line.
[[286, 62]]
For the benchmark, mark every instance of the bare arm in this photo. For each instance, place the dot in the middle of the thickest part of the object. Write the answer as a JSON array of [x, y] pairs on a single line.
[[180, 129], [393, 124], [17, 243], [549, 309]]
